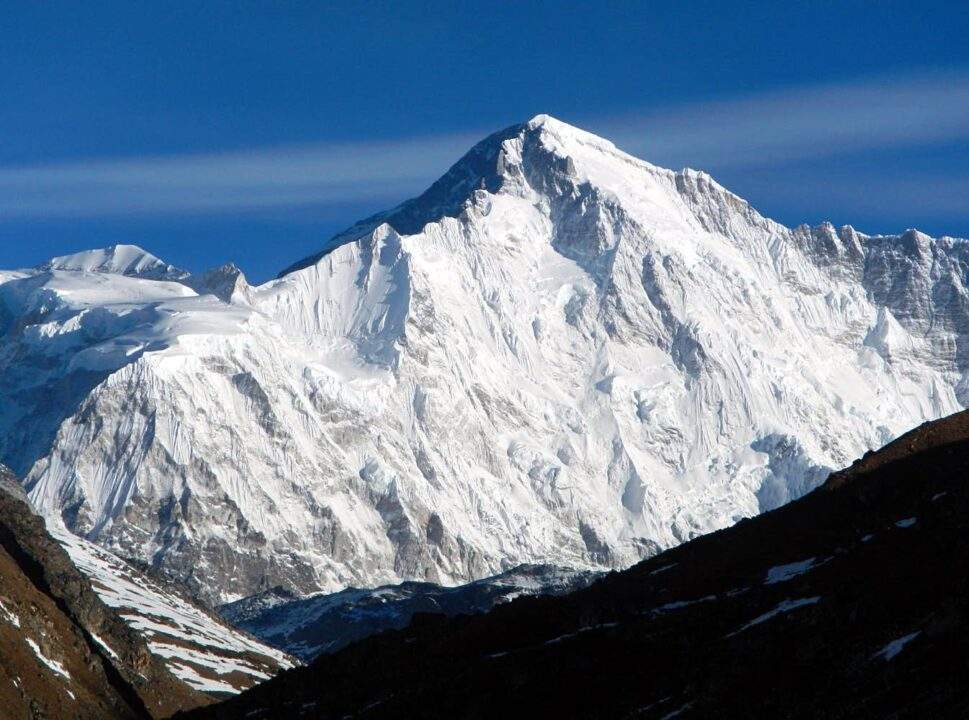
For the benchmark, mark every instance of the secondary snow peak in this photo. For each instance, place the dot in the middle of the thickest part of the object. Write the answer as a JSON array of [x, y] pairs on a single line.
[[129, 260]]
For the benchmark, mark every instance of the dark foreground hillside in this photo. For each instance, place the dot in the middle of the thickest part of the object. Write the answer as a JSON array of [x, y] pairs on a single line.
[[849, 603]]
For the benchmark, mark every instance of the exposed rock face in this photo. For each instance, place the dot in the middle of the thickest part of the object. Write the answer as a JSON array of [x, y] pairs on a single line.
[[64, 652], [226, 282], [319, 624], [559, 353], [847, 603]]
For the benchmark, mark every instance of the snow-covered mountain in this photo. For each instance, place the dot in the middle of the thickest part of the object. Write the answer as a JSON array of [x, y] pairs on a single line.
[[559, 353]]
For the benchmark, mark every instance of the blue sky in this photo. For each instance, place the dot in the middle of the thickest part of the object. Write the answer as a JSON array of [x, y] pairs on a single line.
[[253, 131]]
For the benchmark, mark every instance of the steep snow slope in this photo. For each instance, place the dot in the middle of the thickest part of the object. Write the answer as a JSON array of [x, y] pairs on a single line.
[[559, 353]]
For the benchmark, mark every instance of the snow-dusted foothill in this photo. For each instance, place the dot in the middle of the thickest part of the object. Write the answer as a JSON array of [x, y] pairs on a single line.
[[559, 353], [195, 645]]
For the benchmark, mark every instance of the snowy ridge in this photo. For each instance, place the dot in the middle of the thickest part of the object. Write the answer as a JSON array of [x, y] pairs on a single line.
[[120, 260], [197, 647], [559, 353]]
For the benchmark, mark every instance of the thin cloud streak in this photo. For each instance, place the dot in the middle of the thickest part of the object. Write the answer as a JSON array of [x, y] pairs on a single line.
[[766, 130], [820, 121], [263, 178]]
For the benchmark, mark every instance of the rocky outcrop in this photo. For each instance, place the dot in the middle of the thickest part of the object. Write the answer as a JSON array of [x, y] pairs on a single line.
[[226, 282]]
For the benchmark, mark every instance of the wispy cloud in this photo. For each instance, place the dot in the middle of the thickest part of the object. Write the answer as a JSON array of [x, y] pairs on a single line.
[[799, 123], [765, 130], [260, 178]]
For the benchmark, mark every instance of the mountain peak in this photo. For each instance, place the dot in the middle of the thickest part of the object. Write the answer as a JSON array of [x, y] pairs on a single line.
[[129, 260], [543, 120], [486, 166]]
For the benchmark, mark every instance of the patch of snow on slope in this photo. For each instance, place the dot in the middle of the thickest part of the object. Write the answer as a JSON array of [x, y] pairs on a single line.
[[896, 646], [10, 615], [785, 606], [104, 646], [680, 604], [190, 675], [581, 631], [52, 664], [203, 648], [783, 573]]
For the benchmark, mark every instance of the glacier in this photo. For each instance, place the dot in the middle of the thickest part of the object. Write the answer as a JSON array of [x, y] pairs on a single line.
[[557, 354]]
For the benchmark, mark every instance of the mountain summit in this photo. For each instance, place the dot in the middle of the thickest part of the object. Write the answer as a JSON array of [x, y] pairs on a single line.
[[481, 168], [558, 353]]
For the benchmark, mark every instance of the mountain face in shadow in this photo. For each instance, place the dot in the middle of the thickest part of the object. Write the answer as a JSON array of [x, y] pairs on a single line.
[[308, 627]]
